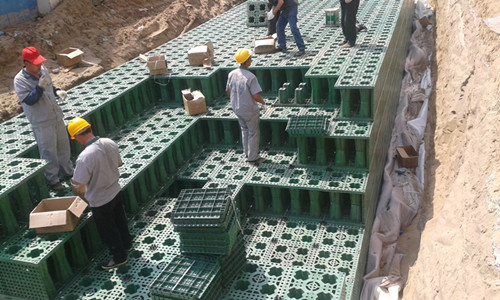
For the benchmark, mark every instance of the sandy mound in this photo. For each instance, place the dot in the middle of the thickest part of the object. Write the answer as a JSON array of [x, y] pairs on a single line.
[[109, 35]]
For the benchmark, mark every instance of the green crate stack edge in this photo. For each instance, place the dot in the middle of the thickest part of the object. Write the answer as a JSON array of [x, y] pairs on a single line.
[[140, 102], [204, 218]]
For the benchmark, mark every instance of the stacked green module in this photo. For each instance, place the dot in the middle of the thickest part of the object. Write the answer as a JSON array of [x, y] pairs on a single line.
[[305, 213], [209, 231]]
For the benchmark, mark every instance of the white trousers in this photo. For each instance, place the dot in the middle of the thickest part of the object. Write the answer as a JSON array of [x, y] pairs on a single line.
[[53, 146]]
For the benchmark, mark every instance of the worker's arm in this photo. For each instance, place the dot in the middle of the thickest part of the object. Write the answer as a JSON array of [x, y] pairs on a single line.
[[228, 93], [79, 189], [277, 7], [258, 98], [33, 96]]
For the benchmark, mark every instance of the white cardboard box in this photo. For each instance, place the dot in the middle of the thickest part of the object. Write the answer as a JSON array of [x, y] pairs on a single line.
[[69, 57], [201, 55], [157, 65], [60, 214], [264, 45], [194, 102]]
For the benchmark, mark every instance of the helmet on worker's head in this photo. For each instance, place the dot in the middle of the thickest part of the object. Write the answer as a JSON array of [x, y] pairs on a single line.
[[76, 125], [242, 55]]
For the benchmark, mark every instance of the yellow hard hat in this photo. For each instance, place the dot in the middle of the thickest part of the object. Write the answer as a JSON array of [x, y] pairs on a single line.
[[76, 125], [242, 55]]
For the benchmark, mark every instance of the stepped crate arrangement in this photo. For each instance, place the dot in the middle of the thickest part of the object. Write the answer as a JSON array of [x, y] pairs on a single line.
[[294, 227]]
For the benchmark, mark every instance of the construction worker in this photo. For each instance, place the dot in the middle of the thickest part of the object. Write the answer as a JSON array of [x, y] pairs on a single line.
[[37, 96], [96, 180], [348, 11], [243, 90], [288, 15]]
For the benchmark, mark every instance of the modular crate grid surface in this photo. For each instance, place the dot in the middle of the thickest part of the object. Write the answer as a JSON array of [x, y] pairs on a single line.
[[304, 212]]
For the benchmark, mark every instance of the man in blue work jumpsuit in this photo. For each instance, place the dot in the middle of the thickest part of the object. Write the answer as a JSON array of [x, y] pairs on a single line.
[[37, 95]]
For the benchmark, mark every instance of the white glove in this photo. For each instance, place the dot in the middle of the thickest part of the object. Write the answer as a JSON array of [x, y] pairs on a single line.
[[263, 108], [62, 94], [270, 15], [43, 80]]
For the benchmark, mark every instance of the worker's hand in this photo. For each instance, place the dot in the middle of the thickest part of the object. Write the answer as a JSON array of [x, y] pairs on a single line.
[[79, 189], [62, 94], [43, 80], [270, 15], [348, 1], [263, 108]]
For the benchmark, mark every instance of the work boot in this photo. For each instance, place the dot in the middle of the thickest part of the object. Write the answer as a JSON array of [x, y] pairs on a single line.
[[257, 161], [112, 264], [58, 187], [300, 53]]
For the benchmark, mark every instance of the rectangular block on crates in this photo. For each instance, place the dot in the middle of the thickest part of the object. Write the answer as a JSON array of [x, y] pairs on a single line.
[[201, 55], [157, 65], [264, 45], [69, 57], [60, 214], [308, 126], [201, 208], [188, 278], [332, 16], [407, 156], [194, 102]]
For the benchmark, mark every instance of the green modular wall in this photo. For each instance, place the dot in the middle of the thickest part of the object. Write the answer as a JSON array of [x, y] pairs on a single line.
[[304, 213]]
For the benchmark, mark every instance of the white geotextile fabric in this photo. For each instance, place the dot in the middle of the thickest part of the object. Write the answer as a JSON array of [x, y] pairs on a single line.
[[402, 188]]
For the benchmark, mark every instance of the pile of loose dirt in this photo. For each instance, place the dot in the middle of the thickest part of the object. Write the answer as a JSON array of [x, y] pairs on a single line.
[[109, 35]]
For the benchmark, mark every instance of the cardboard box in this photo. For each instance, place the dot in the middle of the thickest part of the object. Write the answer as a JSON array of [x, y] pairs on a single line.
[[264, 45], [69, 57], [201, 55], [194, 102], [157, 65], [407, 156], [53, 215]]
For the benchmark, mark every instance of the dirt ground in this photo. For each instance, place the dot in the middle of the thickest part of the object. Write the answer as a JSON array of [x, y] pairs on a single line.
[[451, 249], [108, 34]]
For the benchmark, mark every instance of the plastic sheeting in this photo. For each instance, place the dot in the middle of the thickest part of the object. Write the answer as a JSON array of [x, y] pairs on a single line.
[[493, 24], [402, 188]]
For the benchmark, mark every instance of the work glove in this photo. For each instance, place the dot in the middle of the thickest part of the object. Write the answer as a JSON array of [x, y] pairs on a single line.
[[43, 80], [62, 94], [263, 108], [270, 15]]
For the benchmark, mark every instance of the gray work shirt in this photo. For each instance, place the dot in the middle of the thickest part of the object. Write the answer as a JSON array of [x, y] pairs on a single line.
[[97, 167], [242, 84], [44, 111]]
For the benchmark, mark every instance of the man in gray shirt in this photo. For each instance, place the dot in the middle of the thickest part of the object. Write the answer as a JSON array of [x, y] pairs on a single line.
[[244, 90], [96, 180], [37, 96]]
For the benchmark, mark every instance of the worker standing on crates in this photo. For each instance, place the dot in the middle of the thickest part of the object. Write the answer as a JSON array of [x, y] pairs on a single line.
[[288, 15], [96, 180], [348, 11], [243, 90], [37, 96]]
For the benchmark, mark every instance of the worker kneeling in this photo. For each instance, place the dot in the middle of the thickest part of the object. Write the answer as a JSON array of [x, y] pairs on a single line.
[[95, 179]]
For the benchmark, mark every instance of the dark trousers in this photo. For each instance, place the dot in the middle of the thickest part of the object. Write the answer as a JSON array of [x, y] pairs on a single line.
[[271, 27], [112, 225], [348, 13]]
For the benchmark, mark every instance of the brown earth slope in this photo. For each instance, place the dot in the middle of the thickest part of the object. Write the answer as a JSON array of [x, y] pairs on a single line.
[[458, 256], [109, 35]]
